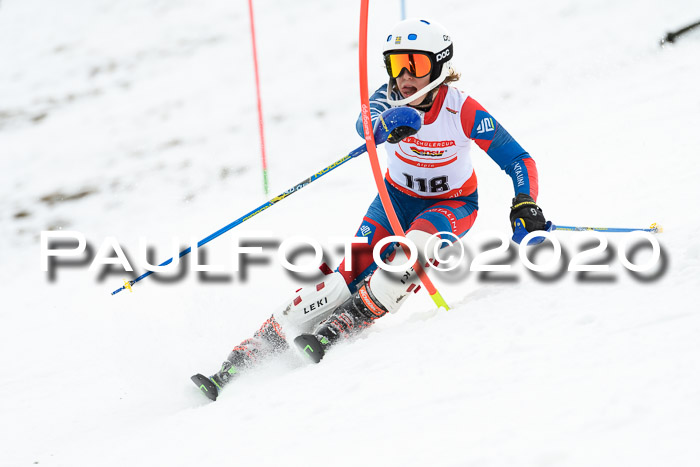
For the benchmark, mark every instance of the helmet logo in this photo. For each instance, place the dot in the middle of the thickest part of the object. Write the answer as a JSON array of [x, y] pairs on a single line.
[[397, 40], [446, 38], [442, 55]]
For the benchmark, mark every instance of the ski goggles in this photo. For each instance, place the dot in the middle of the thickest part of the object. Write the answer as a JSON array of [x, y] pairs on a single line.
[[417, 64]]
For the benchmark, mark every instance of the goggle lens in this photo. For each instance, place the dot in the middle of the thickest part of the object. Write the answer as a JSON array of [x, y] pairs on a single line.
[[418, 65]]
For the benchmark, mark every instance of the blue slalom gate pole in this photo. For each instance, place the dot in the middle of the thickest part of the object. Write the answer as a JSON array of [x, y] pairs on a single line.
[[359, 151], [654, 228], [403, 10]]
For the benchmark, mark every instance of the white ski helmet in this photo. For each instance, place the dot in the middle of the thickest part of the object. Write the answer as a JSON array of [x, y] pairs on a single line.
[[423, 37]]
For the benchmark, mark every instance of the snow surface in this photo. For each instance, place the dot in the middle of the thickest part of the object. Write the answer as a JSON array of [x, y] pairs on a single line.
[[137, 119]]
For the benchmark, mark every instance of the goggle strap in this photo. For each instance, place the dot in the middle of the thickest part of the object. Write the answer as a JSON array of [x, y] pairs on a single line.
[[444, 55]]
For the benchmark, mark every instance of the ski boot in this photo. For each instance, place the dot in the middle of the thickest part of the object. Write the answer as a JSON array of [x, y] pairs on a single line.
[[212, 385], [355, 314], [267, 341]]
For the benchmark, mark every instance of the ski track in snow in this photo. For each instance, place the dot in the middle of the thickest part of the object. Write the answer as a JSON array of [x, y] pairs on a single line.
[[138, 119]]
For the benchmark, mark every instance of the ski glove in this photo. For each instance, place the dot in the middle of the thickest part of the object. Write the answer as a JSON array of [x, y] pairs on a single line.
[[397, 123], [400, 133], [529, 213]]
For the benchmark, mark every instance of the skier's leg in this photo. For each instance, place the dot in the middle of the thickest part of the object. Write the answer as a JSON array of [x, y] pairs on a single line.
[[453, 217], [361, 309], [386, 291], [308, 307], [360, 265]]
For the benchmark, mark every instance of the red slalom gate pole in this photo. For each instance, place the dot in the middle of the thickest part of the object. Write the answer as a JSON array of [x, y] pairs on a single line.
[[257, 92], [374, 159]]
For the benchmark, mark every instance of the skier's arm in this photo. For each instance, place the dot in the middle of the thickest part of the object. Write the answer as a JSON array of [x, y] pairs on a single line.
[[490, 136]]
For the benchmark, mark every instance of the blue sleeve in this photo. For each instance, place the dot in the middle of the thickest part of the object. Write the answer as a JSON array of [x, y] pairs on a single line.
[[515, 161], [500, 146]]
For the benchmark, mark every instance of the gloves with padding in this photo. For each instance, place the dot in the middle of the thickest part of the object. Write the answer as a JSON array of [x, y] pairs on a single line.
[[529, 213], [397, 123]]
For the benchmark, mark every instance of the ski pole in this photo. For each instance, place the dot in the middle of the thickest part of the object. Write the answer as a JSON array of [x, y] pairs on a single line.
[[671, 36], [653, 228], [359, 151]]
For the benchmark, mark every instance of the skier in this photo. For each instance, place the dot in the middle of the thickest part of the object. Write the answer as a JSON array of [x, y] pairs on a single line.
[[432, 185]]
